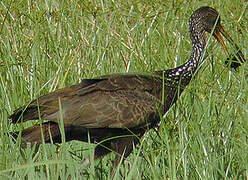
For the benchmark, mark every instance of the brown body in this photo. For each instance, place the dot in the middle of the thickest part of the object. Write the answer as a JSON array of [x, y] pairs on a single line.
[[112, 106]]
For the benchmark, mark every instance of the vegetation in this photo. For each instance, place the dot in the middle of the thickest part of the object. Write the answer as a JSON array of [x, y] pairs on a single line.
[[46, 45]]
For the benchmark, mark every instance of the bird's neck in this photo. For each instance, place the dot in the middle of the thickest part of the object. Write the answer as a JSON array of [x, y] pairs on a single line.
[[184, 73]]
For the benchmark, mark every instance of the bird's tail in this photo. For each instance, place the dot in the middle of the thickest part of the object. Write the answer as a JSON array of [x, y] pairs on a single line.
[[48, 131]]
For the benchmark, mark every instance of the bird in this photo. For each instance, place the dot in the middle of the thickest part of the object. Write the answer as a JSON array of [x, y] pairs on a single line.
[[115, 111]]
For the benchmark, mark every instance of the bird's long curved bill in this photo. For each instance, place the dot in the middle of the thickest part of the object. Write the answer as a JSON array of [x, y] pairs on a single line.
[[221, 31]]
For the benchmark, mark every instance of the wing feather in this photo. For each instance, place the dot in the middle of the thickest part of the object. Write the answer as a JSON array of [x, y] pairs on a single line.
[[119, 101]]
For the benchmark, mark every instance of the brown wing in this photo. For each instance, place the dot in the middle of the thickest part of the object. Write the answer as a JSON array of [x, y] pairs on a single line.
[[117, 109], [116, 101], [48, 103]]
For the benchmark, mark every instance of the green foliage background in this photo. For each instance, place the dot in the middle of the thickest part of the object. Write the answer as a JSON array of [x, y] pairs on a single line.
[[51, 44]]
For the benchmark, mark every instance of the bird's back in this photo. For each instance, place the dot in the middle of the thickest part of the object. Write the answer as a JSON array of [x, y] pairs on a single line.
[[116, 101]]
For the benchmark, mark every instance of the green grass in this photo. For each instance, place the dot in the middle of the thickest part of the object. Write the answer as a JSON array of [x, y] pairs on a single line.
[[46, 45]]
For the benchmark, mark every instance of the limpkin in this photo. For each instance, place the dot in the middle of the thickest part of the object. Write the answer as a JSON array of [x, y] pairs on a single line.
[[114, 111]]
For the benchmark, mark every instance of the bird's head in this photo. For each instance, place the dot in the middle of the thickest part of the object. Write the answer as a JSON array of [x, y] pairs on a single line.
[[204, 19], [207, 19]]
